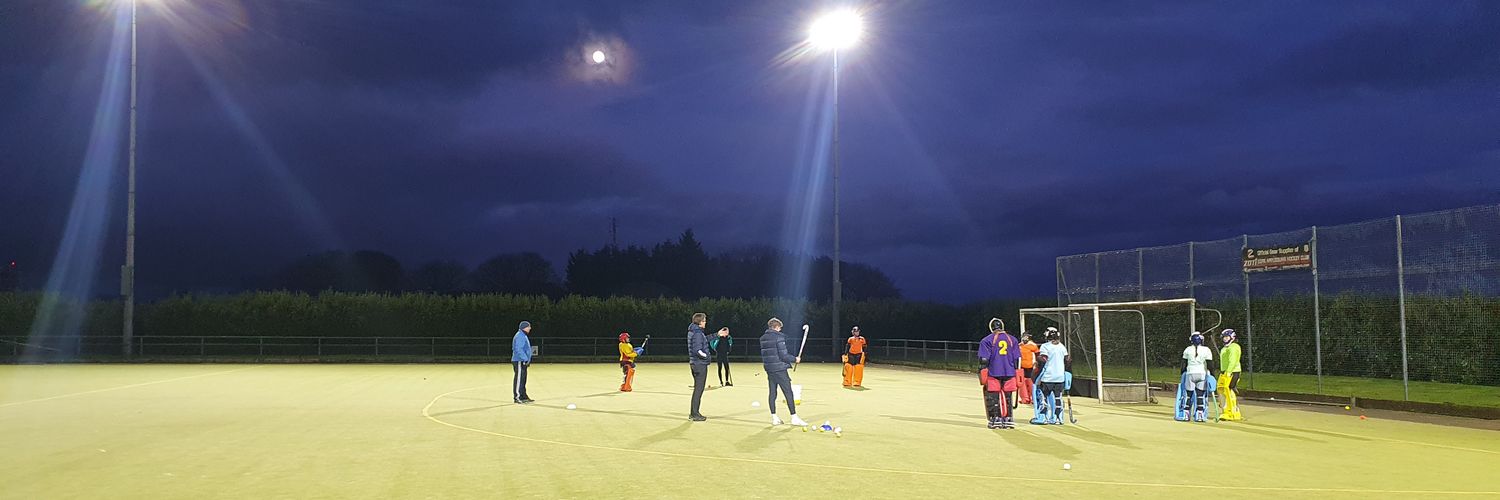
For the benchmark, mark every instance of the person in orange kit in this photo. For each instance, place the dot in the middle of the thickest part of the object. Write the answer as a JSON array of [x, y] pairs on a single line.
[[1028, 366], [627, 361], [854, 360]]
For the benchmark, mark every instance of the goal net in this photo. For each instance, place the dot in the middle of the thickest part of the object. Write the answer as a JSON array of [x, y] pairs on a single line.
[[1119, 348]]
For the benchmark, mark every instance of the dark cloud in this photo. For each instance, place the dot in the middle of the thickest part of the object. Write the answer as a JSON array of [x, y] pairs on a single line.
[[980, 139]]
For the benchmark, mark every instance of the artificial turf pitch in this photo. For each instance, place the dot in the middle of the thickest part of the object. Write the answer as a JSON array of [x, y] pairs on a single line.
[[450, 431]]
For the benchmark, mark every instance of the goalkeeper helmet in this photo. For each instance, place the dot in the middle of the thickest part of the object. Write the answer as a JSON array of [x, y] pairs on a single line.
[[1196, 338], [1053, 334], [1229, 335], [625, 337]]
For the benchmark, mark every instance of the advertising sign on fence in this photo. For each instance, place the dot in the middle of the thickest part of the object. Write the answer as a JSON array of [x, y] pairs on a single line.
[[1283, 258]]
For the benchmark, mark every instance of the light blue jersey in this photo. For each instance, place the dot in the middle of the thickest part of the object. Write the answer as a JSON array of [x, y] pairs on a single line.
[[1056, 354]]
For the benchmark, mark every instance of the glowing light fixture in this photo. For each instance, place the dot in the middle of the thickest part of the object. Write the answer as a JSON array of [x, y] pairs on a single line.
[[837, 30]]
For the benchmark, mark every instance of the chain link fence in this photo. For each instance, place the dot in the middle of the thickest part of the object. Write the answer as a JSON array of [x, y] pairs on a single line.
[[1403, 308]]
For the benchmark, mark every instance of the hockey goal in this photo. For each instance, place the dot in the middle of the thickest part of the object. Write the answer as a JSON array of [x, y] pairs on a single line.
[[1112, 344]]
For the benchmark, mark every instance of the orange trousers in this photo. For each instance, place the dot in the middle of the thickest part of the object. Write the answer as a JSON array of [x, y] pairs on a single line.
[[854, 370], [629, 370]]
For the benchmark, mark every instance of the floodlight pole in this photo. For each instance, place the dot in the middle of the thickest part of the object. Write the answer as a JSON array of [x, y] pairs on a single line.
[[127, 273], [838, 284]]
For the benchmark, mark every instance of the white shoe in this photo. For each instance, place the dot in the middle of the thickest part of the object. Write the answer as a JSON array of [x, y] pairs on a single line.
[[798, 422], [775, 420]]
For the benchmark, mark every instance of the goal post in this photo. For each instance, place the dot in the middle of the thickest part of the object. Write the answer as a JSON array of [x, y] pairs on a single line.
[[1109, 341]]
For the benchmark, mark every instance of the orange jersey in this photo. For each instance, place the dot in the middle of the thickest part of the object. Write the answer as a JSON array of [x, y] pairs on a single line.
[[857, 345], [1028, 354]]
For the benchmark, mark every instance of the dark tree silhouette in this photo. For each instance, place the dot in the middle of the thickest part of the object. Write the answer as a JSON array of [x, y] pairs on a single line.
[[362, 271], [520, 273], [439, 276]]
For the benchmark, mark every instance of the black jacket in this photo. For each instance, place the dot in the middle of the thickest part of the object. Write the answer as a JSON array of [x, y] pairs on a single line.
[[773, 353], [697, 343]]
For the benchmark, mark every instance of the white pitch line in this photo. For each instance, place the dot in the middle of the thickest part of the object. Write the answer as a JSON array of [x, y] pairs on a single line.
[[107, 389]]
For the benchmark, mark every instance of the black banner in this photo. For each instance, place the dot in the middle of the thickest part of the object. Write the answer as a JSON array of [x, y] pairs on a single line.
[[1285, 258]]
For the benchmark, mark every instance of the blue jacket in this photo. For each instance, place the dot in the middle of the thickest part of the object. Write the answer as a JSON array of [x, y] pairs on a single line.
[[773, 353], [697, 343], [520, 347]]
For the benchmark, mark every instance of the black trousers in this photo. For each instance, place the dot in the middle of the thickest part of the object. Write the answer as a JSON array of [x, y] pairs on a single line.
[[700, 380], [518, 382], [782, 380], [724, 370]]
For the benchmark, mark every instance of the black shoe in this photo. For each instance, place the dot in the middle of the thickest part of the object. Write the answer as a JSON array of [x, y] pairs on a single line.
[[731, 384], [520, 402], [697, 418], [528, 400]]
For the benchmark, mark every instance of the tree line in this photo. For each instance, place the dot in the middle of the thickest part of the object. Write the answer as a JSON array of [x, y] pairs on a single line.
[[677, 268]]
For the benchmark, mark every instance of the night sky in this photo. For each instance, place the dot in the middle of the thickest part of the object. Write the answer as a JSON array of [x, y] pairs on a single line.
[[981, 139]]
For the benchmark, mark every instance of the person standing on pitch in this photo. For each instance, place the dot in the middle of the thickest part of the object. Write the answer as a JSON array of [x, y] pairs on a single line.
[[720, 347], [854, 359], [520, 360], [1000, 354], [1052, 376], [1229, 375], [1196, 368], [628, 354], [777, 361], [698, 362], [1026, 381]]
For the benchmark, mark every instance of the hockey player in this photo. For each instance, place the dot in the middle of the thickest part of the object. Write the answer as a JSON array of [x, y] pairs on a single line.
[[1196, 368], [628, 354], [1229, 375], [854, 359], [999, 354], [1054, 363], [1027, 378]]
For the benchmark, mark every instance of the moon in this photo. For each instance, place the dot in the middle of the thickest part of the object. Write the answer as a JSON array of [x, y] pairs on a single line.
[[598, 57]]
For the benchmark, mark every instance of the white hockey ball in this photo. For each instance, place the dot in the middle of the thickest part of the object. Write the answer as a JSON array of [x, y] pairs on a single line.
[[755, 404], [1067, 466], [572, 406]]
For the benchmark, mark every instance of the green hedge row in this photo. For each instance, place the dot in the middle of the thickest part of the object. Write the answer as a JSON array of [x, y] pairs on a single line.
[[423, 315]]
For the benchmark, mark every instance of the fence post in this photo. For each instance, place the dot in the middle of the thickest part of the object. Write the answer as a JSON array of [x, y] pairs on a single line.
[[262, 342], [1317, 313], [377, 346], [1098, 289], [1401, 301], [1140, 274], [202, 346], [320, 347], [1249, 336], [1193, 276], [432, 348], [1060, 284]]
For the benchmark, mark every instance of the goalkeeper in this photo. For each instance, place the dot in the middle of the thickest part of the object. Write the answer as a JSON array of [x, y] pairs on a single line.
[[627, 361], [1196, 369], [1229, 375], [1054, 367]]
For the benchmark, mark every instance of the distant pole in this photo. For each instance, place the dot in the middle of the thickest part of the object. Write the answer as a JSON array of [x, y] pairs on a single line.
[[614, 232], [1317, 313], [1401, 302], [127, 275], [838, 285]]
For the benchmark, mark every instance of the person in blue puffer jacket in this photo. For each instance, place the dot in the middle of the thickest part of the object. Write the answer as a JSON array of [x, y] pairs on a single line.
[[777, 360], [698, 359]]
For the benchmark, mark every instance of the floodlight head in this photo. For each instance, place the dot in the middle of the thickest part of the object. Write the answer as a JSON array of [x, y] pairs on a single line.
[[598, 57], [840, 29]]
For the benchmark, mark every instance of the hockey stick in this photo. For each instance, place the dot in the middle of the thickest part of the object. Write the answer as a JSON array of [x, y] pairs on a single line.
[[800, 349], [1068, 396], [644, 342]]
